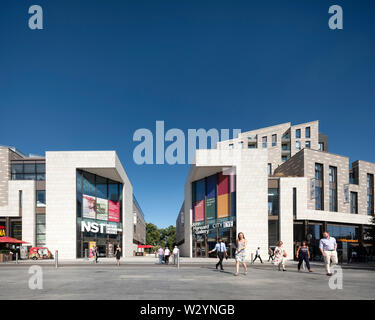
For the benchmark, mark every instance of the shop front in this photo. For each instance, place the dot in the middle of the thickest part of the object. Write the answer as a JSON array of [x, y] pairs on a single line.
[[214, 213], [99, 215]]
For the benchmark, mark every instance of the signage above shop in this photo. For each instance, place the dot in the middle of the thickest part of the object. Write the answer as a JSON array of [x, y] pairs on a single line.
[[2, 231], [87, 226], [204, 229]]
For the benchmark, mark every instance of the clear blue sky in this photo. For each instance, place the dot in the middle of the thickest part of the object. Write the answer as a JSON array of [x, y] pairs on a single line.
[[102, 69]]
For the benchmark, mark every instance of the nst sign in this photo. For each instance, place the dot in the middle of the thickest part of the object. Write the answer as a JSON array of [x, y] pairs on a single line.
[[87, 226]]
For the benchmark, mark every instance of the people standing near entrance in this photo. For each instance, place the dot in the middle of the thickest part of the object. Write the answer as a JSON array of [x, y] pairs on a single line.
[[241, 253], [328, 247], [221, 250], [176, 253], [303, 254], [257, 255], [161, 255], [118, 254], [167, 253], [280, 255], [270, 255]]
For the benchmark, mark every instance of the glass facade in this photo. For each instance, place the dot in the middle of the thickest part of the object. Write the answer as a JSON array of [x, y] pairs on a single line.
[[333, 189], [319, 199], [370, 194], [353, 202], [40, 230], [28, 170], [99, 214]]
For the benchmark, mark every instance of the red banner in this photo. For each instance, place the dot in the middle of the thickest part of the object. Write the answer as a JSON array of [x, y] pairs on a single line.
[[113, 211]]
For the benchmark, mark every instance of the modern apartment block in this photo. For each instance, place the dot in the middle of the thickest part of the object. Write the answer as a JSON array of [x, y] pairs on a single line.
[[69, 201], [282, 141], [231, 189]]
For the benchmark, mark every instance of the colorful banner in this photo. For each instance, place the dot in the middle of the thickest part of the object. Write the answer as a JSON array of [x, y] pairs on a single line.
[[2, 231], [223, 205], [199, 211], [101, 209], [92, 245], [88, 207], [113, 211]]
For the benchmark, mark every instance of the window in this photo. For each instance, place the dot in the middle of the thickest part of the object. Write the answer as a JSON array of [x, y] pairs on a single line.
[[284, 158], [294, 201], [307, 132], [370, 194], [273, 202], [298, 133], [40, 230], [231, 146], [269, 168], [240, 144], [321, 146], [274, 140], [298, 145], [252, 146], [20, 199], [264, 142], [28, 170], [308, 144], [41, 198], [353, 202], [319, 200], [333, 189]]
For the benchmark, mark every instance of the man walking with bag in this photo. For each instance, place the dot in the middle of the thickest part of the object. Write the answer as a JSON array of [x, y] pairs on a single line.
[[221, 250]]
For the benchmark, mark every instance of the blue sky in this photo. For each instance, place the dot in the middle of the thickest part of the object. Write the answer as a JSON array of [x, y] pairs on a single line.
[[99, 70]]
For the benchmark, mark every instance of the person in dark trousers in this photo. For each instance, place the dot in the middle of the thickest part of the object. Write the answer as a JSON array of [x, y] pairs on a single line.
[[303, 254], [271, 255], [96, 254], [257, 255], [221, 250]]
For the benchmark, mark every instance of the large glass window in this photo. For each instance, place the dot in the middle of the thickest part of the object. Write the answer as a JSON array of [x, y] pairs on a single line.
[[370, 194], [41, 198], [307, 132], [298, 145], [319, 199], [99, 214], [298, 133], [264, 142], [353, 202], [273, 202], [332, 189], [343, 232], [274, 140], [40, 230], [28, 170]]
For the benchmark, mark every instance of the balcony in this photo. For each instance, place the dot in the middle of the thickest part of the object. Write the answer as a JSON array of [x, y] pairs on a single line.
[[252, 139]]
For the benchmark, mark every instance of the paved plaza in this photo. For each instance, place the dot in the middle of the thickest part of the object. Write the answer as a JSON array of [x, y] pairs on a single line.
[[191, 281]]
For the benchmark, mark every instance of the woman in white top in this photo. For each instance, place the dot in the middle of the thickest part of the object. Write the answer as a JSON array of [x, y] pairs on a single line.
[[241, 253], [280, 255], [167, 253]]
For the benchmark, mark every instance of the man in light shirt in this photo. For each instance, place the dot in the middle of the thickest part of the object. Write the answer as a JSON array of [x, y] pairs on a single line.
[[160, 255], [221, 250], [175, 254], [328, 246]]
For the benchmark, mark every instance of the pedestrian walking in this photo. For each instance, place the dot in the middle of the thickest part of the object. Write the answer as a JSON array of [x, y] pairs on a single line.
[[167, 253], [280, 255], [221, 250], [303, 254], [96, 254], [176, 253], [118, 254], [241, 253], [257, 255], [161, 255], [270, 255], [328, 247]]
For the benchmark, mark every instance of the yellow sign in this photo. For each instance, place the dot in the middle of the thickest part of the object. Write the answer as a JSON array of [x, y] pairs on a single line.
[[2, 232]]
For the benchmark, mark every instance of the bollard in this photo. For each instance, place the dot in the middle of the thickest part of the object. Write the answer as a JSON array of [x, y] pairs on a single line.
[[178, 260], [56, 258], [16, 257], [252, 258], [86, 254]]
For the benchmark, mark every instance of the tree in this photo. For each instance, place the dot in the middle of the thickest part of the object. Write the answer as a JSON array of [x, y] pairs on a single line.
[[160, 237], [152, 234]]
